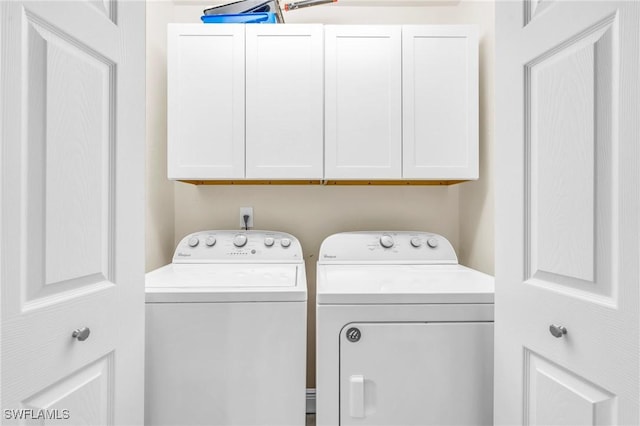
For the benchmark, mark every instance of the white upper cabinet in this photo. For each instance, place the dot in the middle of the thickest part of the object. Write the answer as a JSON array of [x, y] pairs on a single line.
[[440, 102], [284, 101], [363, 102], [334, 102], [205, 111]]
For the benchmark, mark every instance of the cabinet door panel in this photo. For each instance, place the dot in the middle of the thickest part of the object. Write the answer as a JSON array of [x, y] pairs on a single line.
[[284, 117], [205, 75], [440, 102], [363, 102]]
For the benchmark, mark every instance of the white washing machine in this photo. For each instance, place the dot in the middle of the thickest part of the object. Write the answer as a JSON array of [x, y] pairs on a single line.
[[226, 332], [404, 333]]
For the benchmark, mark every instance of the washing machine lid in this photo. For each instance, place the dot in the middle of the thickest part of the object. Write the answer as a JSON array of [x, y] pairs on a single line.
[[402, 284], [226, 283]]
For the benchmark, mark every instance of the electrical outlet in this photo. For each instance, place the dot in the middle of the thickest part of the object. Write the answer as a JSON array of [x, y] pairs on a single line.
[[246, 211]]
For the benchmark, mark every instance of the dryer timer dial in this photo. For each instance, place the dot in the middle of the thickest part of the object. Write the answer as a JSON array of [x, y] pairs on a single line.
[[386, 241]]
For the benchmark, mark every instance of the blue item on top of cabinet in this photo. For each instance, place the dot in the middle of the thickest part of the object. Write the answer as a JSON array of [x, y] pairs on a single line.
[[241, 18]]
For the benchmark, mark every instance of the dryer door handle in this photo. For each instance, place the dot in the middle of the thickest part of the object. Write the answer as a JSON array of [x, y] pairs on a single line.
[[356, 396]]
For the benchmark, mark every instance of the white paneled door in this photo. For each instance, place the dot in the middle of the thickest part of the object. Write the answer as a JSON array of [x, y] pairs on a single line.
[[72, 191], [568, 108]]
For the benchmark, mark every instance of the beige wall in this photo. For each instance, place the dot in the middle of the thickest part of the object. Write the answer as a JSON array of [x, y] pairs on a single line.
[[463, 213], [476, 243], [159, 191]]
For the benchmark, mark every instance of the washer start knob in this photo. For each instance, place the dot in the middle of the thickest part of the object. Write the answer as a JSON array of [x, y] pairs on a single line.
[[240, 240], [285, 242], [432, 242], [415, 242], [386, 241]]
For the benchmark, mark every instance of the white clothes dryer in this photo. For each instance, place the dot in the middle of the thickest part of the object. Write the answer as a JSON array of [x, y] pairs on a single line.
[[404, 333], [226, 332]]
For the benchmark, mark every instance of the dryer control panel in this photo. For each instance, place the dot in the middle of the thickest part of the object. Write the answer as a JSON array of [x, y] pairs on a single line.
[[241, 246], [391, 247]]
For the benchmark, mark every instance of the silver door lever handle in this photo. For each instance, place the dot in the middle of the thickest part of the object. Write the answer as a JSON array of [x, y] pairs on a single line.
[[557, 330], [81, 334]]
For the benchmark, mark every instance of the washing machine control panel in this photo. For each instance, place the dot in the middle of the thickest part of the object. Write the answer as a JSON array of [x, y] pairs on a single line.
[[387, 247], [238, 246]]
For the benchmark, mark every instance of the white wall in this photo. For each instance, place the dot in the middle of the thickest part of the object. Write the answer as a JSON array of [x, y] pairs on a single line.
[[463, 213]]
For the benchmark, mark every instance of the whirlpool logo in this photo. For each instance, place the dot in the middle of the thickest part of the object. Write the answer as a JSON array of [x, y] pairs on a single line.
[[329, 256], [354, 334]]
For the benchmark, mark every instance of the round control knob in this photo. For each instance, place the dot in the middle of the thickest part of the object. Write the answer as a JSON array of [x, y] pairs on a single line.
[[268, 241], [240, 240], [432, 242], [386, 241], [415, 242], [211, 241], [285, 242], [193, 241]]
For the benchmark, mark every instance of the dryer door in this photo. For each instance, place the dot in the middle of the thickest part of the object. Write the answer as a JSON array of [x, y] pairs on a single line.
[[416, 374]]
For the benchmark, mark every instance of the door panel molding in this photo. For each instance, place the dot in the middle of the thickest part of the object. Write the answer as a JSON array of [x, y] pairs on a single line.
[[535, 8], [107, 7], [555, 395], [570, 187], [68, 162], [94, 381]]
